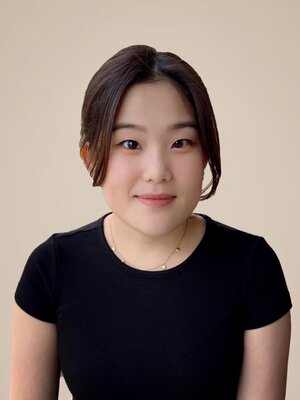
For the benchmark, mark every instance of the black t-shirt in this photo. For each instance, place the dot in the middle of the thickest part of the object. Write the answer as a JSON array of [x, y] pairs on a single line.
[[173, 334]]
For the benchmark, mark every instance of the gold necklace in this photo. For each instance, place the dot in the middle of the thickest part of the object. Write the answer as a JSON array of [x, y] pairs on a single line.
[[164, 264]]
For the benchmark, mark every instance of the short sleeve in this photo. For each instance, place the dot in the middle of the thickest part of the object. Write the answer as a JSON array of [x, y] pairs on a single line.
[[266, 294], [35, 292]]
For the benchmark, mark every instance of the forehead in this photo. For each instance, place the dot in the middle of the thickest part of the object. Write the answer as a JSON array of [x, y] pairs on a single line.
[[159, 100]]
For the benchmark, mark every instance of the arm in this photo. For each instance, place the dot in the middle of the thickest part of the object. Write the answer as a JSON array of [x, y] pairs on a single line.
[[35, 367], [264, 368]]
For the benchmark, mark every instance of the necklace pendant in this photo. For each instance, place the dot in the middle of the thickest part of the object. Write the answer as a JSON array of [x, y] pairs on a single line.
[[163, 266], [177, 249]]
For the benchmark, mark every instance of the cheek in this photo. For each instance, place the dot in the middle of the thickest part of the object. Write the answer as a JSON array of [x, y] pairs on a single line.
[[119, 173], [192, 172]]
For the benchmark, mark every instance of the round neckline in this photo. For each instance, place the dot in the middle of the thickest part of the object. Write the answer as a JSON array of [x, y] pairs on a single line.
[[118, 264]]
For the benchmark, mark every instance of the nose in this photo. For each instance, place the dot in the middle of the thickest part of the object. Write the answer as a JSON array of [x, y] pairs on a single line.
[[157, 168]]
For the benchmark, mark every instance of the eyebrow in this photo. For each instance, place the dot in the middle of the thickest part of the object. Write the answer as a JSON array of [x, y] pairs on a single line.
[[176, 126]]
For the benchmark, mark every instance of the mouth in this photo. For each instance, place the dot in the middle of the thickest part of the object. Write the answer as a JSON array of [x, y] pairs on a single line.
[[156, 200]]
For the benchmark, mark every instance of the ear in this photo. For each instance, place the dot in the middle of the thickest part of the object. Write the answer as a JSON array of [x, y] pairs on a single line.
[[85, 156]]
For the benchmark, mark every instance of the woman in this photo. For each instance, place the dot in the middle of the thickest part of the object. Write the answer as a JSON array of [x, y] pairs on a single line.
[[151, 301]]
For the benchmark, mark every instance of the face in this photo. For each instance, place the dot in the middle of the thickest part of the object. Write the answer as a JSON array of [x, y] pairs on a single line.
[[155, 169]]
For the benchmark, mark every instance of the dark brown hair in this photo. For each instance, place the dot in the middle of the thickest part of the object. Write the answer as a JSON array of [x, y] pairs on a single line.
[[137, 64]]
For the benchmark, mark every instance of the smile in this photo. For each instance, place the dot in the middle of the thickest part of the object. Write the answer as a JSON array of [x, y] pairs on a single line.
[[156, 200]]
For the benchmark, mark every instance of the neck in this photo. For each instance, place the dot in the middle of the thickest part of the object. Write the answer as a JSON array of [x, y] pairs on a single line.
[[136, 248]]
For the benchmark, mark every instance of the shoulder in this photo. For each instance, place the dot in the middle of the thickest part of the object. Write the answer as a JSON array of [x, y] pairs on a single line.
[[252, 248], [46, 256], [48, 264], [70, 238], [77, 233], [243, 252], [228, 238], [256, 268], [225, 229]]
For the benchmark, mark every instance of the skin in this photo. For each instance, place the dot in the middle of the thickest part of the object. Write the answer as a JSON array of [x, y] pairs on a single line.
[[155, 149], [34, 366], [158, 159], [264, 370]]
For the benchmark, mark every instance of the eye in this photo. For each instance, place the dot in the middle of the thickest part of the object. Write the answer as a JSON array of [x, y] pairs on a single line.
[[178, 144], [130, 144]]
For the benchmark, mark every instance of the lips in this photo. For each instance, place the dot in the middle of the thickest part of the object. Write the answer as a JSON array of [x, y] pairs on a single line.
[[156, 196], [156, 200]]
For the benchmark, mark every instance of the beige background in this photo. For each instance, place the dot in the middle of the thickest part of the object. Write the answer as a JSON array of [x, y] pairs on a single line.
[[247, 53]]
